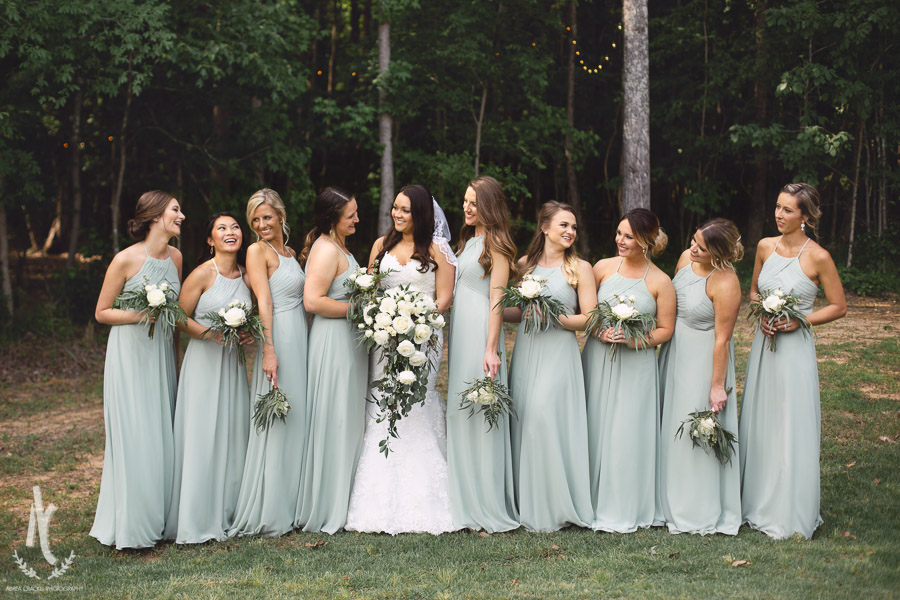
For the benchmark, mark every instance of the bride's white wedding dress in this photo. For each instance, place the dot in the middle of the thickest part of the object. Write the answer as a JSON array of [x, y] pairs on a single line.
[[409, 490]]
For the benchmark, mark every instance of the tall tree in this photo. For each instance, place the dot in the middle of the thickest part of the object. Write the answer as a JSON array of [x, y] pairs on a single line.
[[636, 125], [385, 122], [571, 177]]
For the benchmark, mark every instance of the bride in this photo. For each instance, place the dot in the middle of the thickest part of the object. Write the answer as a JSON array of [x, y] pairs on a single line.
[[409, 490]]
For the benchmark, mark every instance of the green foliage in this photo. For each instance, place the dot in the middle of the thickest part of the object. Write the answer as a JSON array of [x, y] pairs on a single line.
[[75, 291]]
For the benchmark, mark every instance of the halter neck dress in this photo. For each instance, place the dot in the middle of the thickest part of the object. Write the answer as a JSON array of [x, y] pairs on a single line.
[[549, 437], [338, 378], [623, 419], [272, 469], [138, 406], [695, 493], [780, 418], [482, 493], [211, 427]]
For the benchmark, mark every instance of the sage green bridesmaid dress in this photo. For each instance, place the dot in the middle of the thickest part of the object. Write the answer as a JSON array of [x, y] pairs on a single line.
[[138, 405], [623, 420], [695, 494], [211, 428], [780, 420], [338, 378], [549, 437], [482, 494], [272, 470]]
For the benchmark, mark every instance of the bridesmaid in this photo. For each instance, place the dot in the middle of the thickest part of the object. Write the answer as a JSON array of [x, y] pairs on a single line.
[[138, 385], [623, 395], [549, 437], [338, 369], [211, 418], [482, 495], [780, 428], [695, 493], [271, 481]]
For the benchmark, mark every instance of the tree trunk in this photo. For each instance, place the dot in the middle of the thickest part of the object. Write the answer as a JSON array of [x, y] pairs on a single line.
[[571, 177], [117, 193], [757, 213], [636, 126], [4, 261], [861, 134], [385, 125], [75, 142], [478, 122]]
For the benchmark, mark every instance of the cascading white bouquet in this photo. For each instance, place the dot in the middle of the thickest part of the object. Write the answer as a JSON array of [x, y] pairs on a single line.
[[490, 398], [231, 320], [708, 433], [621, 314], [774, 305], [539, 311], [364, 288], [403, 325], [158, 303]]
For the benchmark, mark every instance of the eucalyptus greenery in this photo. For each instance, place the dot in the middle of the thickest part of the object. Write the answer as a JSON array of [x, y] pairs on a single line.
[[240, 313], [707, 432], [166, 315], [268, 407], [776, 305], [490, 398], [622, 317], [539, 312]]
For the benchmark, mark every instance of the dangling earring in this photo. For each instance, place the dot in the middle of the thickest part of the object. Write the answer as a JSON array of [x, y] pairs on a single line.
[[331, 233], [803, 226]]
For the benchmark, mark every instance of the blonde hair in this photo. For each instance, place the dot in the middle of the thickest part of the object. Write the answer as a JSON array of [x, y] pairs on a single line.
[[270, 197], [723, 242], [807, 201], [536, 247], [646, 231]]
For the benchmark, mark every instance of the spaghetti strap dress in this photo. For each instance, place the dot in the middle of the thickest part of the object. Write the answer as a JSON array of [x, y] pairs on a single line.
[[695, 494], [549, 437], [780, 418], [211, 427], [272, 469], [623, 420], [138, 405]]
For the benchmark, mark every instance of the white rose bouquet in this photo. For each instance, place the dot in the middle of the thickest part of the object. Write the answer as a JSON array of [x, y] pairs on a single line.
[[539, 311], [707, 432], [364, 288], [403, 325], [157, 302], [621, 314], [268, 407], [774, 305], [231, 320], [488, 397]]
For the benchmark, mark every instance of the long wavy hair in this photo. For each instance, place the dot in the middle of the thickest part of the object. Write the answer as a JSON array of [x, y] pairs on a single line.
[[493, 214], [536, 247], [327, 212], [421, 208]]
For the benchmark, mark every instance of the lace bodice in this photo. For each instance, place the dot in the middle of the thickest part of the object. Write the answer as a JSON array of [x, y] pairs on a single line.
[[407, 274]]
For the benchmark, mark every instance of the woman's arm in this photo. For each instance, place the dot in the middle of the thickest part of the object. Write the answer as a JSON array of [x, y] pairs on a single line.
[[321, 270], [725, 293], [376, 250], [499, 278], [258, 271], [443, 279], [514, 314], [113, 282], [196, 283], [587, 299], [831, 284], [666, 304]]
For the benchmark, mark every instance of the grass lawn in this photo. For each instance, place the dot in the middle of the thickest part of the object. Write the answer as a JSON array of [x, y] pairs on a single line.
[[52, 435]]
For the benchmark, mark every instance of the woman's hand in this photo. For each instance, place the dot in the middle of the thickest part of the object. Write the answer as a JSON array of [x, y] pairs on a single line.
[[611, 336], [491, 364], [245, 338], [717, 398], [770, 327], [270, 367]]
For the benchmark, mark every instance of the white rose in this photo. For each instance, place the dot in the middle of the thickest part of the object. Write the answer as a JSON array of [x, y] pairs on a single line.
[[365, 281], [164, 286], [381, 337], [369, 333], [623, 311], [632, 299], [383, 319], [402, 324], [779, 292], [406, 377], [773, 303], [352, 276], [486, 397], [406, 348], [222, 312], [405, 308], [156, 297], [388, 305], [423, 332], [418, 358], [391, 331], [235, 317], [149, 287], [472, 396], [437, 321], [530, 288], [707, 426], [361, 326]]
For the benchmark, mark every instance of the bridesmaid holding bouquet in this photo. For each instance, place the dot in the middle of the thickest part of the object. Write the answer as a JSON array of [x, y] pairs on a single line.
[[138, 384]]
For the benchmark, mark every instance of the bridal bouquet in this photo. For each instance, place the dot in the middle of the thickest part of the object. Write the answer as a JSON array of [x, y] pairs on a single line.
[[403, 325], [538, 311], [774, 305], [488, 397], [268, 407], [363, 291], [233, 319], [157, 302], [621, 314], [706, 432]]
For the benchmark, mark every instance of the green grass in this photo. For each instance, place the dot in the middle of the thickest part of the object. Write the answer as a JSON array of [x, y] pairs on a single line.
[[855, 554]]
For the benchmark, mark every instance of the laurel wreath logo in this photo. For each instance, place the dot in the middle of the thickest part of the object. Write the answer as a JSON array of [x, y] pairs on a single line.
[[31, 573]]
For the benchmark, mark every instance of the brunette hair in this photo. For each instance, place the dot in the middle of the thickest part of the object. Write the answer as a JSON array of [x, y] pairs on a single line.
[[723, 242], [270, 197], [493, 214], [210, 252], [646, 231], [150, 206], [807, 201], [421, 207], [536, 247], [327, 211]]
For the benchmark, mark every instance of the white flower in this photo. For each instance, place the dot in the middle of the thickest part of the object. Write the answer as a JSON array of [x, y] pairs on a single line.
[[164, 286], [437, 321], [365, 282], [405, 308], [486, 397], [406, 348], [388, 305], [779, 292], [369, 333], [381, 337], [472, 396], [623, 299], [156, 297], [383, 319], [406, 377], [352, 276], [623, 311], [631, 299], [418, 358], [361, 326], [530, 288], [423, 332], [391, 331], [707, 426], [222, 312], [402, 324], [773, 303], [695, 433], [235, 317], [149, 287], [420, 320]]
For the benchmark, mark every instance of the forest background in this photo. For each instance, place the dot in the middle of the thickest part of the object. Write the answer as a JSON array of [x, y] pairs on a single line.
[[102, 100]]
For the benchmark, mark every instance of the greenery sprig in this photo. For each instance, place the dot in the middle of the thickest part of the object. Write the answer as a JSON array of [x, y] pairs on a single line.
[[268, 407]]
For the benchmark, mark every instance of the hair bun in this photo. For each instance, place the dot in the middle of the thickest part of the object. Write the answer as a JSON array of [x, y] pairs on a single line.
[[659, 242]]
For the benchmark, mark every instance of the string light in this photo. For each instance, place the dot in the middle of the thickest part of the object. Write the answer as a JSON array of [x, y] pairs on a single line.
[[110, 138], [581, 61]]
